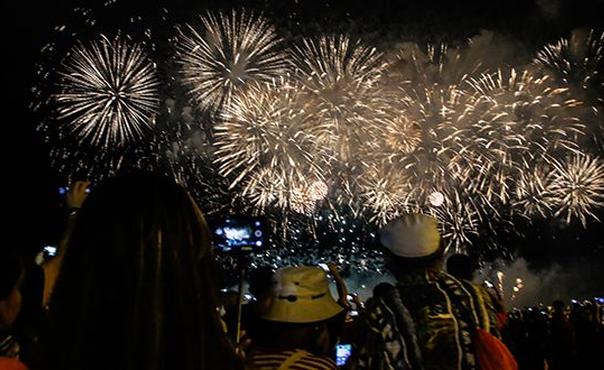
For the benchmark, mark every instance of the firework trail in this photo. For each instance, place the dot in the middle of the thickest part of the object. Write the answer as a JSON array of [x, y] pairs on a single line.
[[109, 92], [578, 187], [225, 53]]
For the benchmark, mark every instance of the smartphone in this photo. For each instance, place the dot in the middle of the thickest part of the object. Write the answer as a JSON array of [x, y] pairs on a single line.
[[49, 251], [239, 234], [343, 353]]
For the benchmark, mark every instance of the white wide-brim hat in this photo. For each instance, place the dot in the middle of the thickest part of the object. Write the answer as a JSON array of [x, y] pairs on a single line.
[[301, 295], [413, 235]]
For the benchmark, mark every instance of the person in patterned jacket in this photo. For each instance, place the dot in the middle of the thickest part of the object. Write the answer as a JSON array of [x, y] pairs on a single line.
[[491, 308], [426, 321]]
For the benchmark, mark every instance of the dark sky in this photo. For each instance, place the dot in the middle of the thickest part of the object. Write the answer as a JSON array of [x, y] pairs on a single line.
[[33, 215]]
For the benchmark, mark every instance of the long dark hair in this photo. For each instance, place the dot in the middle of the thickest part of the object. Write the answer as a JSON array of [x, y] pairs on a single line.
[[136, 288]]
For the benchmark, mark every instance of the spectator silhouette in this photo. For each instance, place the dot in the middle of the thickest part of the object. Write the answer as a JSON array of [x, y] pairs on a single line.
[[136, 286], [427, 321], [299, 322], [11, 276]]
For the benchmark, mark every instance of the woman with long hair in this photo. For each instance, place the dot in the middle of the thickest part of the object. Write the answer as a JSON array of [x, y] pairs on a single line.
[[136, 288]]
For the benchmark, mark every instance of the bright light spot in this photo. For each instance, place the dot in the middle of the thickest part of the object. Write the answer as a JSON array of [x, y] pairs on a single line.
[[436, 199]]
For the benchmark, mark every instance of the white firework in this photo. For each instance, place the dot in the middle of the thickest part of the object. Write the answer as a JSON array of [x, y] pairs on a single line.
[[108, 92], [578, 187], [224, 54], [533, 196], [386, 193], [341, 78]]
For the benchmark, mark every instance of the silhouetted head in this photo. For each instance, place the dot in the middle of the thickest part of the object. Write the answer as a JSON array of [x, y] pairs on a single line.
[[136, 288], [261, 281], [461, 266], [558, 306], [382, 289], [11, 275]]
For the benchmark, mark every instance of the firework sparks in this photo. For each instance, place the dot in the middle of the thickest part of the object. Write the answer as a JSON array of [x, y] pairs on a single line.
[[267, 128], [533, 193], [226, 53], [459, 222], [524, 120], [341, 77], [576, 61], [333, 137], [424, 125], [109, 92], [385, 192], [578, 187]]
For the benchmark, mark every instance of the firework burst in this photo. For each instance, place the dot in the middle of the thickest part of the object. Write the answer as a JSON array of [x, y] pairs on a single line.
[[533, 190], [524, 119], [578, 187], [108, 92], [423, 128], [436, 66], [385, 192], [268, 128], [459, 223], [225, 54], [576, 62], [341, 79]]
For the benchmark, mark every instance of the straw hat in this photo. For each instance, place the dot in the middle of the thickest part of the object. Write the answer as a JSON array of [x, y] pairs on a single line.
[[413, 235], [301, 295]]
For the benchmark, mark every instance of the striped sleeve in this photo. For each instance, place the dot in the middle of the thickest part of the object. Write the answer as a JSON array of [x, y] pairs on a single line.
[[307, 361]]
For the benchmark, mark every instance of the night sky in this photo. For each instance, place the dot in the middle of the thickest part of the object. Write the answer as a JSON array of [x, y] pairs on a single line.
[[30, 183]]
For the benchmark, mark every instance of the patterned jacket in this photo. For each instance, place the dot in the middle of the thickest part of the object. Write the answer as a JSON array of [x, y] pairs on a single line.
[[425, 323]]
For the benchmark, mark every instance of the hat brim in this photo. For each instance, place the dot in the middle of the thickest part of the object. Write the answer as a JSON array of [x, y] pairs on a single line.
[[303, 310]]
